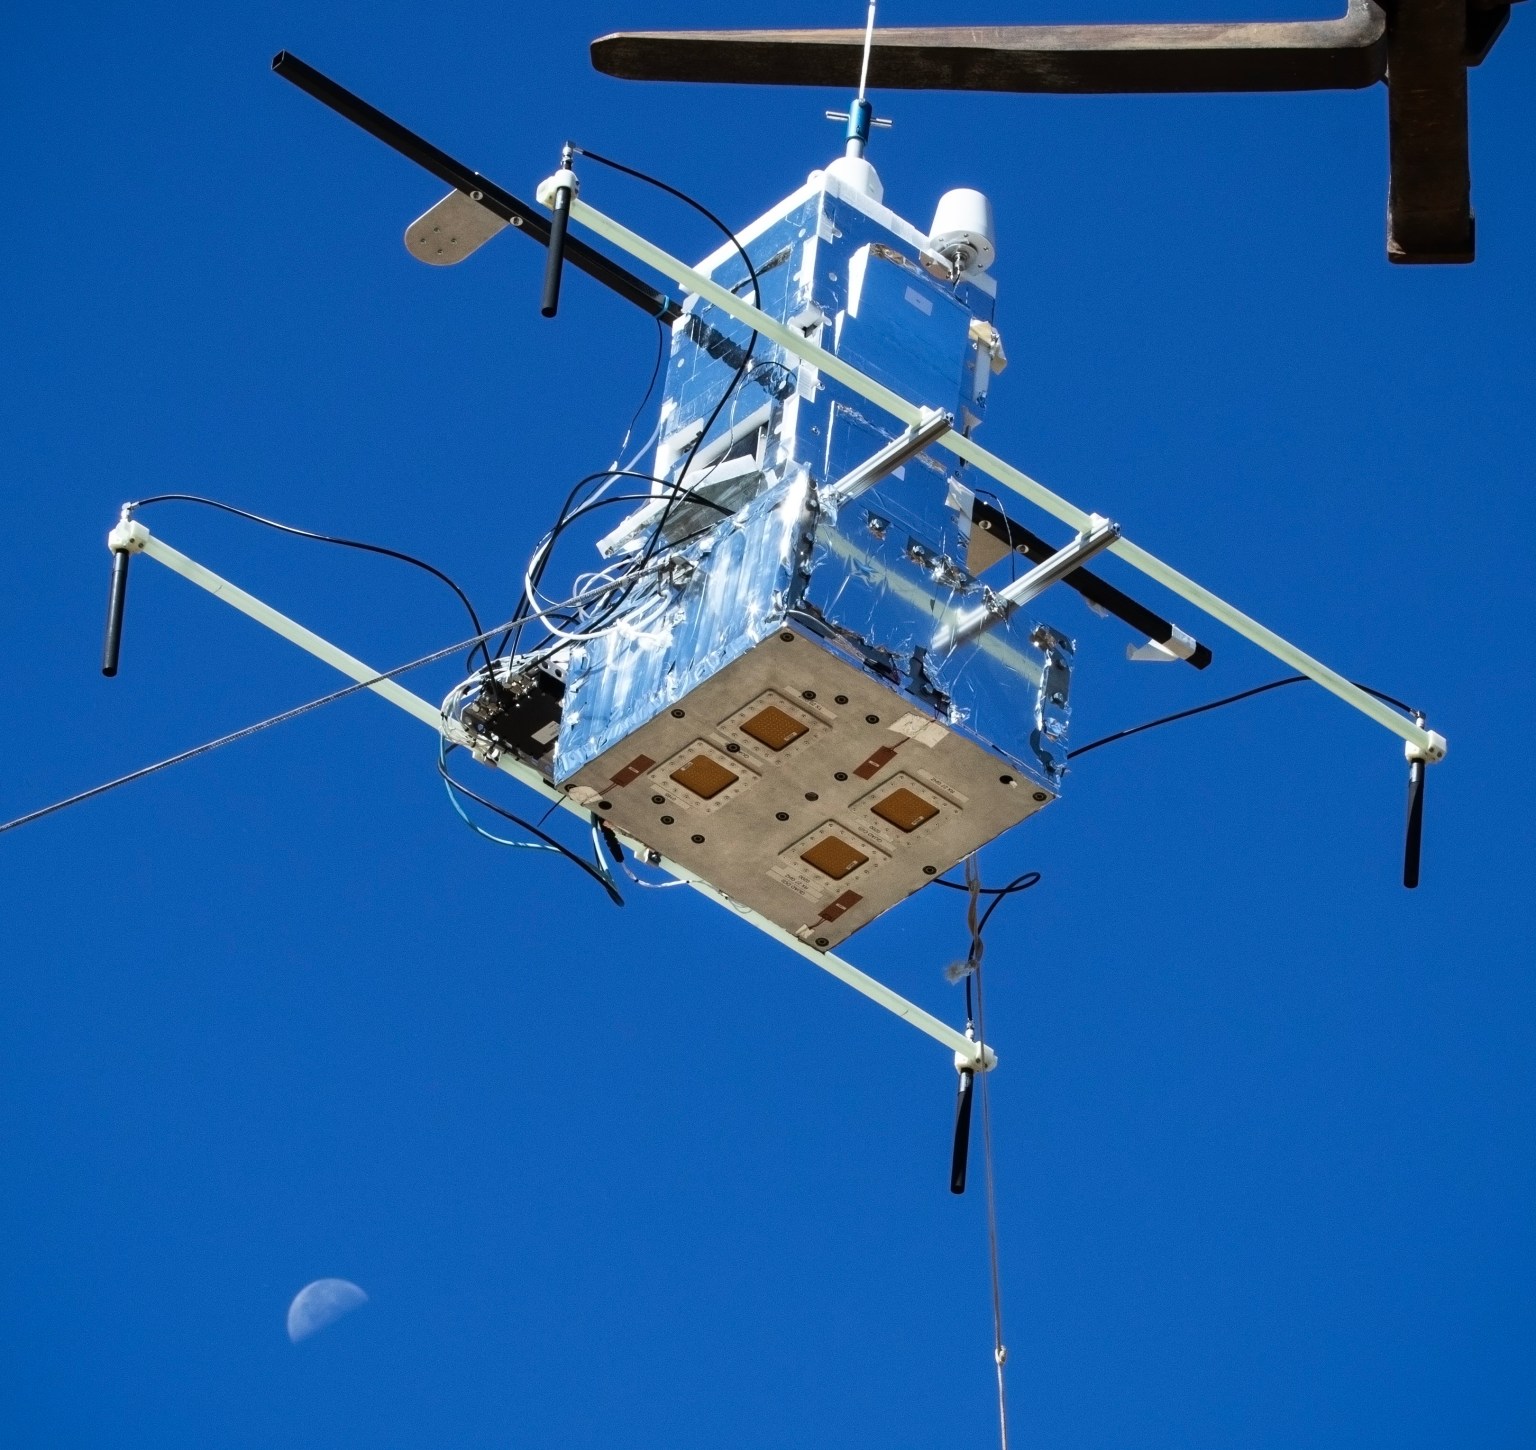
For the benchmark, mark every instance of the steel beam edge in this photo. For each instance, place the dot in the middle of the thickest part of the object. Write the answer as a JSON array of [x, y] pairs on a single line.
[[967, 1050], [1003, 472]]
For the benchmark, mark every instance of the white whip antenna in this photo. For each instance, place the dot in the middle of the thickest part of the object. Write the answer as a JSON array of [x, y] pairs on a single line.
[[869, 44], [860, 116]]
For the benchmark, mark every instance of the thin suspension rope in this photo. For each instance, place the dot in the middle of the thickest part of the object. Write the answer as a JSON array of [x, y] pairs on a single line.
[[208, 746], [975, 1026], [977, 923]]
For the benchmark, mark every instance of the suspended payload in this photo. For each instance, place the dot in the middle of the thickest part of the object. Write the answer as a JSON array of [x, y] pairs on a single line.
[[776, 705]]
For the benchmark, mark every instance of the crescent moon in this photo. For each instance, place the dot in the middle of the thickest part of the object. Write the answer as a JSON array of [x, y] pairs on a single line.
[[321, 1303]]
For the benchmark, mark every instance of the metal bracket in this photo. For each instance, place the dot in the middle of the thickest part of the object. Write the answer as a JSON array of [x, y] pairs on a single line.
[[932, 426], [1012, 596]]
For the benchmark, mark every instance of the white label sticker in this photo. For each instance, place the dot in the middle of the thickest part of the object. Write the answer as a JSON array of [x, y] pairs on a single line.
[[920, 729], [923, 304]]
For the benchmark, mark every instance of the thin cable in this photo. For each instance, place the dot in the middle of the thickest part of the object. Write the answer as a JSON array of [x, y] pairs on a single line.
[[971, 969], [1229, 700], [746, 361], [650, 387], [211, 745], [443, 748], [298, 533], [999, 1347], [528, 826]]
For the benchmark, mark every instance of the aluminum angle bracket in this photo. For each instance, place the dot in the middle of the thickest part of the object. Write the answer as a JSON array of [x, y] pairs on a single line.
[[968, 1052]]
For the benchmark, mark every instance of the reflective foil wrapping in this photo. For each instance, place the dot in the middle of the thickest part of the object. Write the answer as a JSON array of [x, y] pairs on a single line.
[[871, 577]]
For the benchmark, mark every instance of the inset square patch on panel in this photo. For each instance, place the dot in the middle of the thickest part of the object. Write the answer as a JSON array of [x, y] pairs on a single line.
[[828, 861], [772, 728], [701, 778], [898, 811]]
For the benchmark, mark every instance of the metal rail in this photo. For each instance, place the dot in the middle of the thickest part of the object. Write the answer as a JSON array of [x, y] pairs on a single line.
[[969, 1053], [1431, 744]]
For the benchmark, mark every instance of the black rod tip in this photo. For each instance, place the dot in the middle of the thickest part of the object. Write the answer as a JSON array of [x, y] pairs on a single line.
[[1413, 835], [960, 1157], [112, 644], [554, 261]]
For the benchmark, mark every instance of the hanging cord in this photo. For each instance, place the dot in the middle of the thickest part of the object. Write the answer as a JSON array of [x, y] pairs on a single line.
[[1232, 700], [523, 825], [650, 387], [616, 851], [746, 361], [971, 970], [999, 1348], [211, 745], [297, 533]]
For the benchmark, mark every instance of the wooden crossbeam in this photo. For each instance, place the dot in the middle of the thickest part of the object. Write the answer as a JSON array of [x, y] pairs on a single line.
[[1421, 48]]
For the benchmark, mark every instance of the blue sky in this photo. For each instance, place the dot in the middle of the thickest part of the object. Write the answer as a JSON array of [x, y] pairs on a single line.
[[639, 1177]]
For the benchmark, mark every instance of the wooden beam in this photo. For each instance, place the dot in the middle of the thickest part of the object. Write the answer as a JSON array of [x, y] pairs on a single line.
[[1421, 48]]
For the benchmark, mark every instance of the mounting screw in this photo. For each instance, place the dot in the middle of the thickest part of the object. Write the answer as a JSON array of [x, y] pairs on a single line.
[[677, 714], [811, 795], [697, 840], [1005, 779], [841, 699], [821, 941], [807, 694], [871, 719], [734, 748], [840, 775], [658, 800], [781, 815], [667, 820], [930, 870], [787, 637], [1041, 797]]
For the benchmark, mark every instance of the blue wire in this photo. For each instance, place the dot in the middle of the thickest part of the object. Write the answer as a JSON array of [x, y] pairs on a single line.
[[463, 815]]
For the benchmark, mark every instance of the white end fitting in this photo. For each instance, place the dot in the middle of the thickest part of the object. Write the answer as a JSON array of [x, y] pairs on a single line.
[[857, 174], [129, 537], [984, 1060], [1430, 754], [1178, 646], [544, 194]]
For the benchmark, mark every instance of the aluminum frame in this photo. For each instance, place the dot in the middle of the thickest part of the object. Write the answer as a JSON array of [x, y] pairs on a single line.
[[1429, 743], [970, 1055]]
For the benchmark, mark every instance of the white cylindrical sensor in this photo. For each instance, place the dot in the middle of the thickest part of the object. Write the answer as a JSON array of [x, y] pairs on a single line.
[[963, 230]]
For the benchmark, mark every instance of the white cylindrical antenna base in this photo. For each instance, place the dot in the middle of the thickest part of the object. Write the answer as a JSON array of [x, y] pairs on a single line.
[[964, 232]]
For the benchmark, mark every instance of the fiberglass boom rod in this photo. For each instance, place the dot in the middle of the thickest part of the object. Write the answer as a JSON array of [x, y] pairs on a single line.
[[133, 537], [1430, 744]]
